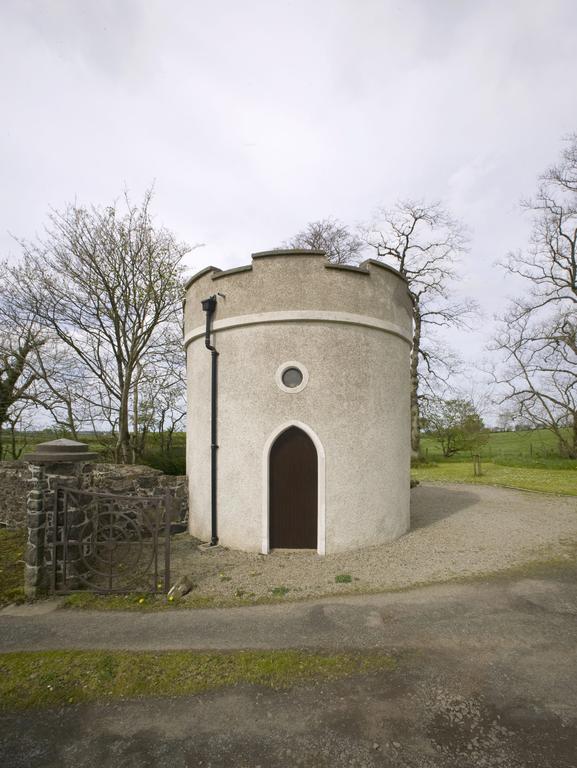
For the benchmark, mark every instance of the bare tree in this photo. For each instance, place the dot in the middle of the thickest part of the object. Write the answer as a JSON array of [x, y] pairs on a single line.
[[549, 265], [106, 282], [65, 389], [539, 375], [340, 244], [19, 419], [423, 242], [20, 339], [162, 402], [538, 333]]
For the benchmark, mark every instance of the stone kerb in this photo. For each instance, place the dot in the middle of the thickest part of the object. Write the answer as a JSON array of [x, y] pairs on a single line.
[[58, 463]]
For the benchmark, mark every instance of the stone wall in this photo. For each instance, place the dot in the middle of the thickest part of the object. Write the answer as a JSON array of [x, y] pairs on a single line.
[[108, 478], [138, 480]]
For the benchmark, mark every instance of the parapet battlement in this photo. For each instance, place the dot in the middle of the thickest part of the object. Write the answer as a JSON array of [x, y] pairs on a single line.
[[299, 281], [364, 268]]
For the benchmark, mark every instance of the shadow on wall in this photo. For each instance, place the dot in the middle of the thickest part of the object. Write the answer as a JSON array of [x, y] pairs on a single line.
[[430, 504]]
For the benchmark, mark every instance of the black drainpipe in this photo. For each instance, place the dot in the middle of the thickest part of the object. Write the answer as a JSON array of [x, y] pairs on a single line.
[[209, 306]]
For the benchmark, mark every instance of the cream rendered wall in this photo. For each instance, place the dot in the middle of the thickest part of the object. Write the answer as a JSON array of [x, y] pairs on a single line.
[[356, 400]]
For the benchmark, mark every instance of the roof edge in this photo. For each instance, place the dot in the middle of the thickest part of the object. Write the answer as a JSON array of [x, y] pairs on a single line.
[[349, 267], [233, 271], [289, 252], [374, 262], [198, 275]]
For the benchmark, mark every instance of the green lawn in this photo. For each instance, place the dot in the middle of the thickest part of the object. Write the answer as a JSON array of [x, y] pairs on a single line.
[[56, 678], [562, 481], [528, 445], [12, 544], [528, 460]]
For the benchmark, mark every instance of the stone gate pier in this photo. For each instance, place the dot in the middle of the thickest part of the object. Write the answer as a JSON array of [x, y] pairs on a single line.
[[57, 463]]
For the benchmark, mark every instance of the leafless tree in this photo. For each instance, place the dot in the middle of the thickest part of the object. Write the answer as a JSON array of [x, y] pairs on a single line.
[[340, 244], [538, 333], [20, 419], [65, 389], [159, 403], [424, 242], [549, 265], [20, 339], [106, 282], [539, 374]]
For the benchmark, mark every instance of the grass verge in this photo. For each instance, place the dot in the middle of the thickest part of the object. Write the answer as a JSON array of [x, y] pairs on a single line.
[[146, 603], [12, 544], [545, 563], [55, 678], [558, 481]]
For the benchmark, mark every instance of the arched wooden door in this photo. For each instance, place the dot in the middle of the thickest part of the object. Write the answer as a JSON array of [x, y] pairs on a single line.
[[293, 491]]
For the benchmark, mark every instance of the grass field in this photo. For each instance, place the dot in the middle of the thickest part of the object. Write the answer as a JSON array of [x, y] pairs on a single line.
[[561, 481], [527, 460], [536, 445]]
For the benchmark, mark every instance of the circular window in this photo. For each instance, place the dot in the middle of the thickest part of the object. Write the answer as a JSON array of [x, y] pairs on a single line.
[[292, 377]]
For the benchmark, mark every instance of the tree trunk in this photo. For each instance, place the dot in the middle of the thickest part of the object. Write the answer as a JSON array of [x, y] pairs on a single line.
[[13, 440], [169, 439], [415, 425], [573, 451], [71, 422], [123, 439], [138, 441], [567, 440], [135, 425]]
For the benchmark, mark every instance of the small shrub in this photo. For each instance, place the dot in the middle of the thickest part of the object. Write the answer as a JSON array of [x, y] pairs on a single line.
[[343, 578], [170, 464], [280, 591]]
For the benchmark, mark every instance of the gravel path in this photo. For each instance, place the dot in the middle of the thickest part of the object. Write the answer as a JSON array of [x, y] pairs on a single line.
[[456, 530]]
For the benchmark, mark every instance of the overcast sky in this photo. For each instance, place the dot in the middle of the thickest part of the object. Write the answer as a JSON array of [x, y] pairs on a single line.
[[253, 117]]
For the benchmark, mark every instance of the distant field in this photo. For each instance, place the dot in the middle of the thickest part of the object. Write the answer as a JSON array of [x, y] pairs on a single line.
[[528, 460], [529, 444]]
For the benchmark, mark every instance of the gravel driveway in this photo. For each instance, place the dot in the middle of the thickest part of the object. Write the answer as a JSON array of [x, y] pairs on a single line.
[[456, 530]]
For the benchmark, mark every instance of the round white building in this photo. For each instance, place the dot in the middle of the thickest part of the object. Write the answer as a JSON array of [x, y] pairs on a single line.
[[311, 403]]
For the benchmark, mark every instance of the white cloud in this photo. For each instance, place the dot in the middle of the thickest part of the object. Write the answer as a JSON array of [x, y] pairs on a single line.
[[256, 117]]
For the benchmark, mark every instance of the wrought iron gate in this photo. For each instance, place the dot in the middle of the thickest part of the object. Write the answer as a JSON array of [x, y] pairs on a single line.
[[109, 543]]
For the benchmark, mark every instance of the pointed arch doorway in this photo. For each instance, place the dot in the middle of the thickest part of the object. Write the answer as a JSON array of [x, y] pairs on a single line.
[[293, 491]]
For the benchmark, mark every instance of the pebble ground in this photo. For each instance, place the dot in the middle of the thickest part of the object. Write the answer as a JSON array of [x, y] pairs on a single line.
[[456, 530]]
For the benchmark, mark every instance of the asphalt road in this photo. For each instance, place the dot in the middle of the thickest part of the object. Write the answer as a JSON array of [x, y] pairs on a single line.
[[444, 616], [487, 677]]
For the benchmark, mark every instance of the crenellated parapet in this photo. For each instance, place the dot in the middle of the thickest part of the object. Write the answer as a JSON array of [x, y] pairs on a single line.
[[300, 285]]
